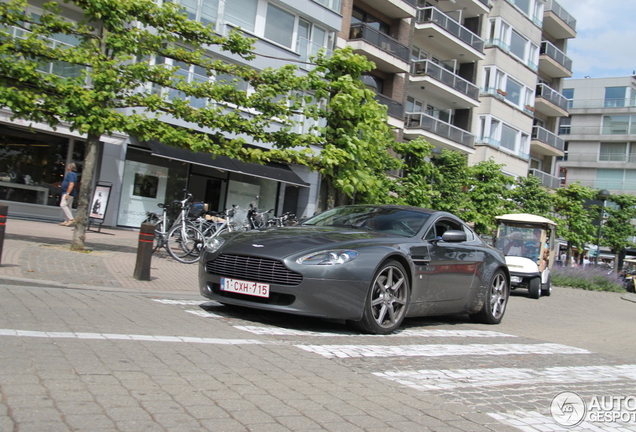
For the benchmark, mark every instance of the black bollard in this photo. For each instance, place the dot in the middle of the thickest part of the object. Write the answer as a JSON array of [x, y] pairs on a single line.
[[144, 251], [4, 209]]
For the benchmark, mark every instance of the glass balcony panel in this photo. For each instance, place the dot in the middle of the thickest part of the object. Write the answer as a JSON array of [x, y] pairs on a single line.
[[380, 40], [434, 15], [556, 54]]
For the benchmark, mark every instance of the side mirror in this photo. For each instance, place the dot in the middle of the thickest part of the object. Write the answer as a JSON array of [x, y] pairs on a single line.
[[454, 236]]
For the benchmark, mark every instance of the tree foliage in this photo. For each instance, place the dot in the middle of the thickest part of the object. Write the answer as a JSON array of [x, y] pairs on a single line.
[[617, 231], [122, 70], [574, 219], [529, 196]]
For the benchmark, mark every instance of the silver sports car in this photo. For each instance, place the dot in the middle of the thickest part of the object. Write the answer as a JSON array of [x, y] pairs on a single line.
[[372, 265]]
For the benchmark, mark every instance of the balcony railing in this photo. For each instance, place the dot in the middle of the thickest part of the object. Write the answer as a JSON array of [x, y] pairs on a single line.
[[439, 73], [434, 15], [556, 54], [596, 157], [607, 130], [548, 93], [547, 137], [602, 103], [546, 179], [553, 6], [395, 108], [380, 40], [308, 49], [438, 127]]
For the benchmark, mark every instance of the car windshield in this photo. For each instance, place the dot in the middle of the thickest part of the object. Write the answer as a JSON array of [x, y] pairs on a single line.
[[381, 219], [519, 241]]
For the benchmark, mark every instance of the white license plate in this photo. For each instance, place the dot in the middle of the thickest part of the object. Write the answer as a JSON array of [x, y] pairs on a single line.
[[245, 287]]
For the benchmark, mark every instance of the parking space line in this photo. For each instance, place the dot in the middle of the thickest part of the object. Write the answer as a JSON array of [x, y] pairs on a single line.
[[444, 379], [424, 333], [439, 350], [129, 337]]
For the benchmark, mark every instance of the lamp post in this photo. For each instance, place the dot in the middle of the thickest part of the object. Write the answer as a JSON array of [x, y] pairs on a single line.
[[603, 195]]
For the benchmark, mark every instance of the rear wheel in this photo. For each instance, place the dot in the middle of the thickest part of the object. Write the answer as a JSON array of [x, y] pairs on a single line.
[[185, 243], [534, 288], [496, 300], [158, 239], [546, 289], [387, 301]]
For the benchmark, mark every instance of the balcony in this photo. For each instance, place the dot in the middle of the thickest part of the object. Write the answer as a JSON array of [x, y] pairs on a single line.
[[558, 22], [394, 8], [388, 54], [433, 28], [394, 108], [554, 62], [470, 8], [445, 84], [547, 180], [439, 133], [546, 143], [550, 102]]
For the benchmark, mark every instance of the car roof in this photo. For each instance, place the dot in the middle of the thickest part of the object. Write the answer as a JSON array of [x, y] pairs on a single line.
[[525, 217], [395, 206]]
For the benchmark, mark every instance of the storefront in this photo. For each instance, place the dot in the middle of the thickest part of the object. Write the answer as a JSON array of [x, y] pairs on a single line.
[[155, 173], [32, 166], [135, 177]]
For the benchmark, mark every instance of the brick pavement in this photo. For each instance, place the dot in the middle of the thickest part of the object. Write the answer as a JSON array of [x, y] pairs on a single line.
[[40, 252]]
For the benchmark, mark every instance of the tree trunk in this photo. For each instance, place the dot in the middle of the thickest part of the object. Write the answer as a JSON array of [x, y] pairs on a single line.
[[85, 193]]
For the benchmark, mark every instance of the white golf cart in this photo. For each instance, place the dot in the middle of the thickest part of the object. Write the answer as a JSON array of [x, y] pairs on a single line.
[[529, 244]]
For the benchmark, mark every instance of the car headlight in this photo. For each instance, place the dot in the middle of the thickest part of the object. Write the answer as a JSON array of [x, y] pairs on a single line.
[[214, 244], [328, 257]]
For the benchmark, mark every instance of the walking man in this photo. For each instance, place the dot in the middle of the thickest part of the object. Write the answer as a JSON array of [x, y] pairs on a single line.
[[68, 193]]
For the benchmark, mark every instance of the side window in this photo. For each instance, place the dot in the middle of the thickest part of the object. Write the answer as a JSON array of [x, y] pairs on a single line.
[[440, 227]]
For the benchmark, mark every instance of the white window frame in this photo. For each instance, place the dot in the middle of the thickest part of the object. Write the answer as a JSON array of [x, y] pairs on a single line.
[[491, 133], [499, 81]]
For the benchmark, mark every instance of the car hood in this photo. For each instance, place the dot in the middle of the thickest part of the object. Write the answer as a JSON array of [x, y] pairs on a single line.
[[282, 242]]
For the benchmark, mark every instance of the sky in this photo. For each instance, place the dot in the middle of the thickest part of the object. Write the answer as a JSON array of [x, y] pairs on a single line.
[[605, 43]]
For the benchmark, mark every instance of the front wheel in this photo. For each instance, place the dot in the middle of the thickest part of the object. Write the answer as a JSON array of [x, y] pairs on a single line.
[[185, 243], [496, 300], [534, 288], [387, 301]]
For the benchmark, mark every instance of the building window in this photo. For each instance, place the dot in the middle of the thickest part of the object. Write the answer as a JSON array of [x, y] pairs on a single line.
[[613, 152], [518, 45], [615, 96], [508, 137], [568, 93], [241, 13], [279, 26], [565, 125], [617, 125], [334, 5], [204, 11], [359, 16], [513, 91]]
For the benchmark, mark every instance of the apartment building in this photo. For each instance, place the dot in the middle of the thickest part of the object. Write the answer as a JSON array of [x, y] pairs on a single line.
[[482, 77], [139, 175], [600, 134], [521, 82]]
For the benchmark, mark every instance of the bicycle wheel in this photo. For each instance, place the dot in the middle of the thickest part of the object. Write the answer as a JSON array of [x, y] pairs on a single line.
[[158, 241], [185, 243]]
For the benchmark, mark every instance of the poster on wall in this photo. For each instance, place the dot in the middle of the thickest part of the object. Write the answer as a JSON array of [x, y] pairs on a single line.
[[99, 202], [143, 187], [242, 194]]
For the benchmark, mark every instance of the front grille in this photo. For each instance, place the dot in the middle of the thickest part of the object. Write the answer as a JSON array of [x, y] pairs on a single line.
[[253, 269]]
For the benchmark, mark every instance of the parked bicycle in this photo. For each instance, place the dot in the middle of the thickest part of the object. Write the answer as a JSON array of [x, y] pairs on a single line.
[[286, 219]]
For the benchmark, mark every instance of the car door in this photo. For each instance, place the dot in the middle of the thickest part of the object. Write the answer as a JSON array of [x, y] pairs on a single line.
[[451, 267]]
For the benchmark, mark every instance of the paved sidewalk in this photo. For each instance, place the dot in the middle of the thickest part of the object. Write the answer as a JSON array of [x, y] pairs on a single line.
[[39, 252]]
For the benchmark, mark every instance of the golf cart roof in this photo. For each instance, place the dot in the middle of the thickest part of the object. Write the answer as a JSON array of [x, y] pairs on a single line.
[[525, 217]]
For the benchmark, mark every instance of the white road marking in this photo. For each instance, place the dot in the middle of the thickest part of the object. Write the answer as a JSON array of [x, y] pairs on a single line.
[[180, 302], [441, 333], [532, 421], [203, 313], [445, 379], [148, 338], [437, 350]]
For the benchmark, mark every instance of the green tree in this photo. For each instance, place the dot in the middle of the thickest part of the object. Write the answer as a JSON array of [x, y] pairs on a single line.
[[414, 187], [529, 196], [116, 80], [488, 188], [575, 220], [451, 182], [357, 140], [618, 229]]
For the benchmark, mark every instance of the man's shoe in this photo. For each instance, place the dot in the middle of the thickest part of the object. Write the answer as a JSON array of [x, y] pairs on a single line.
[[65, 223], [70, 223]]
